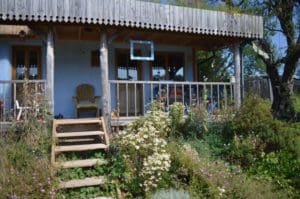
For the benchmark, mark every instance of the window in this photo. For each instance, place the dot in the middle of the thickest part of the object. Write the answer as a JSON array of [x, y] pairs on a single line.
[[26, 62], [168, 66], [126, 68]]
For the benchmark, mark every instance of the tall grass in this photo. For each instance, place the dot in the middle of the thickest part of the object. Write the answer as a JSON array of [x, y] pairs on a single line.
[[24, 153]]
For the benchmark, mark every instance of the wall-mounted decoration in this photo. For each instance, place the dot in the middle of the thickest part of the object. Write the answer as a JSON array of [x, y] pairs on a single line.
[[141, 50]]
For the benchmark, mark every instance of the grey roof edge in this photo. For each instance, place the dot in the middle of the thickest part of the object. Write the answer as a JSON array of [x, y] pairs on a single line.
[[133, 13]]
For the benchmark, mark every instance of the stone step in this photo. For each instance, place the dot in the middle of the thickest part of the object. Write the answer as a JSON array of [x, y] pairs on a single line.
[[83, 147], [86, 182], [79, 134], [80, 163]]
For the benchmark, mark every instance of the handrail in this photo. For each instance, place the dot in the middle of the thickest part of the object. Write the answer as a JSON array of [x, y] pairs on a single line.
[[131, 98], [168, 82], [23, 81]]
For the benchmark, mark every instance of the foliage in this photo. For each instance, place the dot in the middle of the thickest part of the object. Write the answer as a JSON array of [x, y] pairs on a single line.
[[205, 178], [25, 172], [213, 66], [255, 131], [24, 155], [89, 192], [283, 167], [170, 194], [176, 118], [143, 147], [296, 100], [243, 138]]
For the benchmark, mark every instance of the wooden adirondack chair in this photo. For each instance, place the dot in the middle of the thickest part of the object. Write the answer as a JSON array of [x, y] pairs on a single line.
[[85, 99]]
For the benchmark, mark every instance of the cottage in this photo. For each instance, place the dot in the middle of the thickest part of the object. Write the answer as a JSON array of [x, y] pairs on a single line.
[[127, 52]]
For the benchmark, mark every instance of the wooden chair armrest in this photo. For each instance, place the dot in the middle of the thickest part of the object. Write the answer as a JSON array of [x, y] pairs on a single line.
[[75, 99]]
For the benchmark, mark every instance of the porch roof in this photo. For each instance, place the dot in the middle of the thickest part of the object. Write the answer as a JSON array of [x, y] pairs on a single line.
[[133, 13]]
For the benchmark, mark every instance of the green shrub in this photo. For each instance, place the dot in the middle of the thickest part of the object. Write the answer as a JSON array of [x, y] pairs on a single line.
[[196, 123], [283, 167], [296, 100], [176, 119], [256, 132]]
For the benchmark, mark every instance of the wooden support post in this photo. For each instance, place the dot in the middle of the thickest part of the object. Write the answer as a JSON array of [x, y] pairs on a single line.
[[50, 69], [105, 95], [237, 69], [195, 66]]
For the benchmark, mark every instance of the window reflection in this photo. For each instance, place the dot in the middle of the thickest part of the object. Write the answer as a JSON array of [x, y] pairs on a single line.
[[168, 66], [126, 69]]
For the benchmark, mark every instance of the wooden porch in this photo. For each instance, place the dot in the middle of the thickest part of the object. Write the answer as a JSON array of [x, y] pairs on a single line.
[[129, 99]]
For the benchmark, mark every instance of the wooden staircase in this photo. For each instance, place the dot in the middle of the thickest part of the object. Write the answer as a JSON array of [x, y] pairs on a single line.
[[76, 135]]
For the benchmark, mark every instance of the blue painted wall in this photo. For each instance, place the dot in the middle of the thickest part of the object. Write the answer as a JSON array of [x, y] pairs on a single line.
[[5, 71], [72, 68]]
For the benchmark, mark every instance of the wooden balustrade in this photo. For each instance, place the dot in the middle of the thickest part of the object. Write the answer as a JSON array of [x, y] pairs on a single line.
[[133, 98]]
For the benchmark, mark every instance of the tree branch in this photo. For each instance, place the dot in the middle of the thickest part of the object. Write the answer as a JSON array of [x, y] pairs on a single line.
[[273, 29]]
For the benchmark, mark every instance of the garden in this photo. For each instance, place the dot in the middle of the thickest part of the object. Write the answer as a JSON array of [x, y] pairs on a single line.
[[231, 154]]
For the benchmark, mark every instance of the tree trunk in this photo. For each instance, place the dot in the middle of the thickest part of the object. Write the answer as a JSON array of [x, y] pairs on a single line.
[[282, 106]]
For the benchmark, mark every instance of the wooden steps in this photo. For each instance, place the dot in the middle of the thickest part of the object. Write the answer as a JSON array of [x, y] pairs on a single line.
[[84, 147], [79, 134], [78, 142], [92, 181], [77, 121], [80, 163]]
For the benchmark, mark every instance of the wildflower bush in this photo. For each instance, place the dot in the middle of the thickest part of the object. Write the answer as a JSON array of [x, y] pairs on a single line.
[[206, 178], [143, 146]]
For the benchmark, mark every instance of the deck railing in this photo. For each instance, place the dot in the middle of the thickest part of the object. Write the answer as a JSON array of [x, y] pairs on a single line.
[[133, 98], [12, 92]]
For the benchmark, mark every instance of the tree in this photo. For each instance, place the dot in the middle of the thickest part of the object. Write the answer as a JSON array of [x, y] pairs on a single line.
[[284, 17], [282, 85]]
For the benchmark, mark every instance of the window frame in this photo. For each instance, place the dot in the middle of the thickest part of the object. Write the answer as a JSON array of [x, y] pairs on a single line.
[[27, 49]]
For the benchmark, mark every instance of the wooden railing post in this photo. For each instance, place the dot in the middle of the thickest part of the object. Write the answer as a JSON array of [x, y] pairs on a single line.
[[104, 82], [50, 70], [237, 68]]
